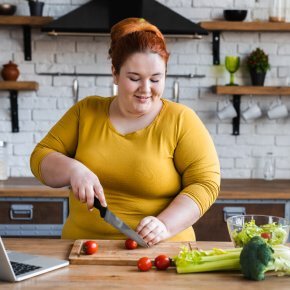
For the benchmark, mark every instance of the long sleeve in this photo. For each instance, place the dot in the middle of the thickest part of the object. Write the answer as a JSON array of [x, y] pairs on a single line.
[[196, 160], [63, 138]]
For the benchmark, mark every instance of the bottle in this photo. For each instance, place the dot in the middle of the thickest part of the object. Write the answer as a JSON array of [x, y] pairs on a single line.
[[3, 161], [269, 169], [277, 11]]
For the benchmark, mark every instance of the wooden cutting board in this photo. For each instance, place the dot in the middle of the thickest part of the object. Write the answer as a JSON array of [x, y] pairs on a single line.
[[113, 252]]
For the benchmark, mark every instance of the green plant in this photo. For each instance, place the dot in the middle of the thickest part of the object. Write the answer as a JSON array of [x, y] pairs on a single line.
[[258, 61]]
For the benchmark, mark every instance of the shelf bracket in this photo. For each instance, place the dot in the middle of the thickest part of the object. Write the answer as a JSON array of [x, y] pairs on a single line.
[[27, 41], [216, 47], [14, 111], [236, 120]]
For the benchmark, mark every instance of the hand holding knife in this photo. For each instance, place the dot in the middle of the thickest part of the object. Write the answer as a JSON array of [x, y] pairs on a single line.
[[117, 223]]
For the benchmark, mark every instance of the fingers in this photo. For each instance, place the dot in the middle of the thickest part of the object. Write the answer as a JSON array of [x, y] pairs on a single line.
[[152, 230], [99, 193]]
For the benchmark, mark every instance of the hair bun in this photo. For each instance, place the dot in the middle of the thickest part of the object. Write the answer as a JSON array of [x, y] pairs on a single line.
[[130, 25]]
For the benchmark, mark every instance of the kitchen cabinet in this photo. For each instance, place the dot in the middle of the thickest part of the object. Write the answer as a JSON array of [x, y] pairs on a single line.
[[213, 227], [26, 22], [28, 208], [13, 87], [243, 196]]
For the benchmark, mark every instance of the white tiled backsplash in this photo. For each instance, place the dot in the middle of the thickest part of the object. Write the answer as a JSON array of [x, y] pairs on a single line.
[[241, 156]]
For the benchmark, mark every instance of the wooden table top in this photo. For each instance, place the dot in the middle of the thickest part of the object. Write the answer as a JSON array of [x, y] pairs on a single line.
[[230, 189], [128, 277]]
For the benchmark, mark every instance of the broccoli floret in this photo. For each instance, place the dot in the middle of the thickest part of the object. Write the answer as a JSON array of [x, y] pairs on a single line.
[[258, 257]]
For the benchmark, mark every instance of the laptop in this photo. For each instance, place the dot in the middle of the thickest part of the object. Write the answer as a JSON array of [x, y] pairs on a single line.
[[16, 266]]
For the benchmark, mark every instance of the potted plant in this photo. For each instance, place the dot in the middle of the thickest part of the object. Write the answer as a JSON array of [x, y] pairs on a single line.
[[258, 65], [35, 7]]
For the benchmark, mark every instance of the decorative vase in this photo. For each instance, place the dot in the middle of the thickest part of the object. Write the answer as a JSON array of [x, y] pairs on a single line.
[[258, 78], [10, 72], [35, 8]]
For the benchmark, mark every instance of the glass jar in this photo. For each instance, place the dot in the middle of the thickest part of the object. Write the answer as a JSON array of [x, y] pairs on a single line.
[[277, 11], [3, 161], [269, 168]]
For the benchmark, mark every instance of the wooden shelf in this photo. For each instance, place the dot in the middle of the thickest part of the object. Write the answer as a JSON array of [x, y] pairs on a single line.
[[246, 26], [18, 86], [238, 91], [216, 27], [252, 90], [13, 88], [24, 20]]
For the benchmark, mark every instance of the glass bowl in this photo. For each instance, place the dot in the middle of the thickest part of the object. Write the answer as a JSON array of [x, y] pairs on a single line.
[[274, 230]]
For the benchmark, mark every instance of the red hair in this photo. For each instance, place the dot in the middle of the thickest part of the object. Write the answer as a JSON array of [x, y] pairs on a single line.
[[133, 35]]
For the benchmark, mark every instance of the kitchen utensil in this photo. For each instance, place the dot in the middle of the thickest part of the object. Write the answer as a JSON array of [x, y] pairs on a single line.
[[277, 110], [243, 227], [235, 14], [116, 222], [253, 111], [76, 90], [7, 9], [113, 252], [176, 91], [228, 111]]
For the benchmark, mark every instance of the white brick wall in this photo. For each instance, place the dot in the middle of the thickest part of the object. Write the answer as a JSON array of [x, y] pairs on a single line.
[[240, 156]]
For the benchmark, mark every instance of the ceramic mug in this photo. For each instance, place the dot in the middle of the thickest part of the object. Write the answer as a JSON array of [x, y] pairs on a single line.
[[277, 110], [227, 112], [253, 111]]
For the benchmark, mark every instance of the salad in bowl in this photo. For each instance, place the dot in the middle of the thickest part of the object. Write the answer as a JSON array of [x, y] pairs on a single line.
[[275, 230]]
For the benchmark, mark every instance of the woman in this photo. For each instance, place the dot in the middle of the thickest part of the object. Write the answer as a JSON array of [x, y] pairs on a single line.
[[150, 160]]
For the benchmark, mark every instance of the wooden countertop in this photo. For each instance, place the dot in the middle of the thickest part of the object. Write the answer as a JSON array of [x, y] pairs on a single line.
[[128, 277], [230, 189]]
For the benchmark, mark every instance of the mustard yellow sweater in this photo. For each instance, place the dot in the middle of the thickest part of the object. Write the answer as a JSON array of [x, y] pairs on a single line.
[[140, 172]]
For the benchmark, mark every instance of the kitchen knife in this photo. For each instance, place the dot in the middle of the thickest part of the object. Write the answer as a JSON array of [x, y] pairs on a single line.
[[116, 222]]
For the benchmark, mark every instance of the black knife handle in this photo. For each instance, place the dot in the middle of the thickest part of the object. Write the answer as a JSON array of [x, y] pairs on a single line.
[[101, 208]]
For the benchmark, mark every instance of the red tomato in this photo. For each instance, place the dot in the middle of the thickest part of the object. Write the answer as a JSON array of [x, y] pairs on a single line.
[[162, 262], [130, 244], [144, 264], [266, 236], [90, 247]]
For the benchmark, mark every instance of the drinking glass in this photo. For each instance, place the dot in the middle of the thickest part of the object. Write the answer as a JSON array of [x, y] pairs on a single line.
[[232, 64]]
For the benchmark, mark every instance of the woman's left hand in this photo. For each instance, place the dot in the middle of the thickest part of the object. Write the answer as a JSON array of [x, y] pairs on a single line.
[[152, 230]]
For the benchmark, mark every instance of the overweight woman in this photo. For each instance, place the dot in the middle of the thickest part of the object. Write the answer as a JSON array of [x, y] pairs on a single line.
[[150, 160]]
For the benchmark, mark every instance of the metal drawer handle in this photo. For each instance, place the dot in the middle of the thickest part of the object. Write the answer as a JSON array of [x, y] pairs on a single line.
[[233, 210], [21, 212]]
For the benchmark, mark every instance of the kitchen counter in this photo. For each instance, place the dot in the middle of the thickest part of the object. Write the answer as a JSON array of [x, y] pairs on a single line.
[[230, 189], [126, 277]]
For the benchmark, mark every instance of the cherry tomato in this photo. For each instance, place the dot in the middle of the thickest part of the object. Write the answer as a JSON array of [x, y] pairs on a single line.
[[162, 262], [130, 244], [266, 236], [144, 264], [90, 247]]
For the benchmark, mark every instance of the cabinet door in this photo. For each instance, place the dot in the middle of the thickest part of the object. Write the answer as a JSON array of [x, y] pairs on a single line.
[[212, 225]]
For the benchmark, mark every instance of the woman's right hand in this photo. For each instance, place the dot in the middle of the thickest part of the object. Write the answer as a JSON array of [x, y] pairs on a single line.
[[86, 185]]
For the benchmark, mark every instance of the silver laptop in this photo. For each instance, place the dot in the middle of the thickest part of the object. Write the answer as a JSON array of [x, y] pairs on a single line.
[[16, 266]]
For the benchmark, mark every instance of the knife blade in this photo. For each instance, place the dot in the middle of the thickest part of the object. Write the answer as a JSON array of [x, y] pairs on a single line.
[[117, 223]]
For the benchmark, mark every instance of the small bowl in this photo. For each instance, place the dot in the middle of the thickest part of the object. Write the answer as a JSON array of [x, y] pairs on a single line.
[[7, 9], [274, 230], [235, 15]]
